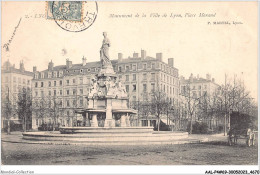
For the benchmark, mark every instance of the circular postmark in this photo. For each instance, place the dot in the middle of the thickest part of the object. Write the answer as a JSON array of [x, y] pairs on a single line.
[[74, 16]]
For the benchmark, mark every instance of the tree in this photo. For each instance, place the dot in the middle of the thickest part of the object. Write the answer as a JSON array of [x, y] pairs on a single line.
[[145, 109], [24, 109], [159, 104], [54, 109], [7, 108], [191, 102]]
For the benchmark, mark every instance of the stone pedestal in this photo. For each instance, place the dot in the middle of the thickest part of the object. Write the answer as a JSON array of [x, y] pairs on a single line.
[[109, 122], [123, 121], [94, 122], [128, 124]]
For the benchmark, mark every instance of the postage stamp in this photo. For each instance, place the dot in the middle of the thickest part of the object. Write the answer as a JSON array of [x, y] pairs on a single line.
[[65, 10], [72, 16]]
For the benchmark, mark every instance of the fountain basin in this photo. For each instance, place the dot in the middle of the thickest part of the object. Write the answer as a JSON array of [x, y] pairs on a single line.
[[110, 138]]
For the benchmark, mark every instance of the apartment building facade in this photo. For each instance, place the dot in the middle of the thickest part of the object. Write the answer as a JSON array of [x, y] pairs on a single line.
[[68, 85], [13, 81]]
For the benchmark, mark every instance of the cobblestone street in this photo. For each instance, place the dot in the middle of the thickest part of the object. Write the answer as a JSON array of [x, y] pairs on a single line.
[[212, 153]]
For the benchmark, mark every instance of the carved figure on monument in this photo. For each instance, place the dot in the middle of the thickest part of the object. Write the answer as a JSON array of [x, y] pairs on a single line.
[[121, 89], [94, 88], [104, 55]]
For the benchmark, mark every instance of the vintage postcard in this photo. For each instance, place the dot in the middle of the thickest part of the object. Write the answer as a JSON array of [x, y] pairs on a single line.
[[129, 83]]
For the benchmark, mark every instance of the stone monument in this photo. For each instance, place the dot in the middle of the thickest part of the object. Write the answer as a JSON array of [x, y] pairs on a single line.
[[107, 99]]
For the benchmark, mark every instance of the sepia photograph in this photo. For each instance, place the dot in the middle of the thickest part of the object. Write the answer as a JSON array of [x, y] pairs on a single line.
[[129, 83]]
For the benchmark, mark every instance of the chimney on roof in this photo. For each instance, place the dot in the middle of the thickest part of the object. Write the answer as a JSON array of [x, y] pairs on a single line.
[[50, 66], [191, 78], [120, 56], [68, 64], [21, 66], [208, 76], [135, 55], [84, 61], [170, 62], [143, 54], [34, 69], [159, 56]]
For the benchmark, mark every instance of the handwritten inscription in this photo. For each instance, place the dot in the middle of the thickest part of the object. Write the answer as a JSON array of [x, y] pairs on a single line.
[[6, 46]]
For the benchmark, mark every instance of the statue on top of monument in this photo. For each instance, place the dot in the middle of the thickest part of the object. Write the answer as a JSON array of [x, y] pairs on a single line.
[[104, 56]]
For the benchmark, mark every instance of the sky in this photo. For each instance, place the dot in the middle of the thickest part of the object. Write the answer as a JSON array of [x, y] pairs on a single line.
[[196, 46]]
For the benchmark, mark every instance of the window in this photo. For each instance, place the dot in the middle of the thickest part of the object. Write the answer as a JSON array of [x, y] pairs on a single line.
[[74, 102], [68, 104], [49, 93], [194, 87], [74, 81], [28, 82], [153, 66], [134, 77], [199, 87], [54, 92], [153, 76], [74, 91], [134, 67], [41, 84], [23, 81], [68, 82], [134, 98], [60, 82], [144, 88], [127, 78], [164, 88], [36, 94], [145, 76], [49, 83], [68, 92], [14, 79], [119, 69], [205, 86], [81, 91], [127, 88], [81, 102], [49, 75], [36, 84], [145, 66], [120, 76], [153, 86], [134, 87], [60, 92], [54, 83], [81, 80], [60, 73], [127, 68]]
